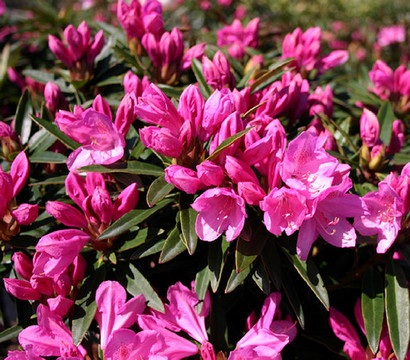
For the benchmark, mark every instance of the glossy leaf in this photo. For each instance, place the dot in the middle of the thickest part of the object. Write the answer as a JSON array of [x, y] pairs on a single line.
[[373, 307], [292, 295], [137, 284], [203, 86], [173, 246], [187, 219], [216, 261], [22, 123], [130, 219], [48, 157], [386, 117], [201, 286], [130, 167], [397, 308], [10, 333], [236, 279], [158, 189], [310, 274]]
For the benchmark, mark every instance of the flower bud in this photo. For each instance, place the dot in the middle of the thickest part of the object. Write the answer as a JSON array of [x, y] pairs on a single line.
[[369, 128], [23, 265], [183, 178], [210, 174]]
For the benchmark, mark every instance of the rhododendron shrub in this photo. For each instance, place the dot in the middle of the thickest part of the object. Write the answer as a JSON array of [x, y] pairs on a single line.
[[210, 180]]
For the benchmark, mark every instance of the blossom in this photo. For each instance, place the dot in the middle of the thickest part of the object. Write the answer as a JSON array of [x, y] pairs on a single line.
[[220, 210], [369, 128], [384, 219], [113, 311], [391, 34], [237, 37], [217, 72]]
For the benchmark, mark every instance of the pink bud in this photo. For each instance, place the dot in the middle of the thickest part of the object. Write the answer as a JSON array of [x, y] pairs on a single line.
[[251, 192], [19, 172], [60, 51], [101, 105], [6, 186], [239, 171], [183, 178], [25, 214], [397, 138], [210, 174], [16, 78], [55, 99], [21, 289], [125, 114], [76, 188], [42, 284], [75, 42], [217, 108], [62, 284], [152, 46], [60, 305], [154, 24], [369, 128], [102, 205], [191, 107], [195, 52], [95, 47], [133, 84], [335, 58], [23, 265], [224, 68], [126, 201], [162, 141], [66, 214], [78, 269]]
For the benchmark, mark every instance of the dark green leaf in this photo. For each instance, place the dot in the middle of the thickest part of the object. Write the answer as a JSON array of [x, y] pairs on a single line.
[[143, 236], [386, 117], [130, 219], [171, 91], [247, 251], [201, 286], [269, 81], [228, 142], [137, 284], [48, 157], [149, 248], [85, 305], [244, 81], [10, 333], [261, 278], [54, 130], [197, 69], [401, 158], [21, 124], [158, 189], [290, 291], [130, 167], [236, 279], [216, 261], [372, 307], [189, 237], [51, 181], [397, 308], [310, 274], [271, 260], [173, 246]]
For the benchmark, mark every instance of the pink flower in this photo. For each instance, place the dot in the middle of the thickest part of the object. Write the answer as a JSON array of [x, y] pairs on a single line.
[[305, 48], [114, 311], [51, 337], [321, 102], [369, 128], [384, 218], [102, 142], [267, 338], [391, 34], [183, 178], [284, 209], [238, 38], [397, 138], [220, 210], [217, 72], [55, 99]]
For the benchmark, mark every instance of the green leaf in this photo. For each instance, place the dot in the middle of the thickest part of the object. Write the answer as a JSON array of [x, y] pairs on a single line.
[[130, 167], [85, 305], [137, 284], [268, 82], [158, 189], [228, 142], [244, 81], [189, 237], [397, 308], [216, 261], [310, 274], [203, 86], [173, 246], [41, 141], [171, 91], [272, 261], [270, 76], [261, 278], [130, 219], [22, 123], [51, 181], [294, 300], [48, 157], [401, 158], [247, 251], [10, 333], [373, 307], [143, 236], [201, 286], [236, 279], [386, 117], [54, 130], [148, 248], [128, 57]]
